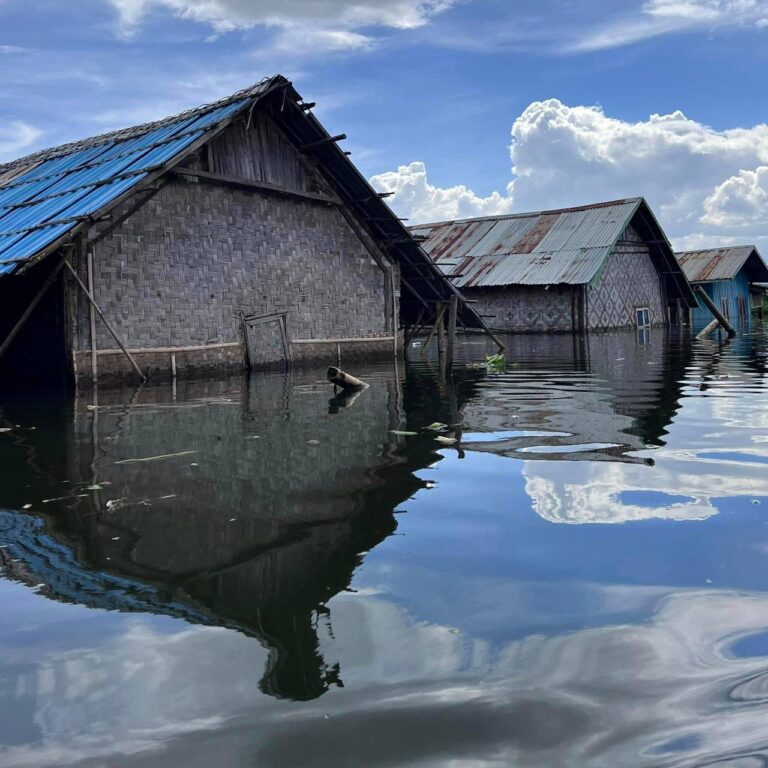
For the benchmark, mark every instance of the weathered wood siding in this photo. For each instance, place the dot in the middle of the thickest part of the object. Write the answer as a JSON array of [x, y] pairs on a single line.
[[727, 294], [260, 153]]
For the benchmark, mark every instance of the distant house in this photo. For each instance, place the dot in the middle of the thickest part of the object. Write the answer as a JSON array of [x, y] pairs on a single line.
[[238, 231], [595, 267], [730, 277]]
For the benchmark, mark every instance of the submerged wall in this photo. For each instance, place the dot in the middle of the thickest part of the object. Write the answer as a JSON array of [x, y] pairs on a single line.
[[521, 308], [178, 273], [628, 281], [733, 298]]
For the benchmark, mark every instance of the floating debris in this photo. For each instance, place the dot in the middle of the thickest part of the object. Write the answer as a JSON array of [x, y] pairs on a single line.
[[114, 504], [95, 487], [155, 458], [27, 506], [401, 432], [445, 440], [436, 426], [313, 442], [6, 429], [115, 538], [253, 437]]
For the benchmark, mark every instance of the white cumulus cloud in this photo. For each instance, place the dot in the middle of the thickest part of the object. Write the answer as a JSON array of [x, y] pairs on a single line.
[[419, 200], [705, 185], [741, 201], [324, 24]]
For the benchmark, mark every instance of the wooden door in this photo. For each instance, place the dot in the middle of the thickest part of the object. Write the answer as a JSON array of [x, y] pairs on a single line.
[[266, 341]]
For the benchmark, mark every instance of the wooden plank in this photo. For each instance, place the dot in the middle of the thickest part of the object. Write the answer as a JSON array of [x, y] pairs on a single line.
[[258, 186]]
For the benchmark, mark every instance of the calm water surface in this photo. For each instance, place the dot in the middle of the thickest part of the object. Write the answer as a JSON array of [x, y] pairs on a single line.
[[580, 580]]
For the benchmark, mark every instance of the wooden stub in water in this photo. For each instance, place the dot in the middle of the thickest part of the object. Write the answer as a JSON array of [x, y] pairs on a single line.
[[344, 380], [713, 326]]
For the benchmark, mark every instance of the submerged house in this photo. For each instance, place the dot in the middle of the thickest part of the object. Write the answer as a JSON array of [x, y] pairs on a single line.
[[730, 277], [235, 232], [595, 267]]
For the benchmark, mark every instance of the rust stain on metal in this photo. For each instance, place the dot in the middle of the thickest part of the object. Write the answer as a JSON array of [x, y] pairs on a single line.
[[710, 268], [456, 235], [536, 234]]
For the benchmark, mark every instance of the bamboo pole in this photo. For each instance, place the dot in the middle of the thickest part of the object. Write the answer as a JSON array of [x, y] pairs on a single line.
[[105, 321], [31, 307], [92, 318]]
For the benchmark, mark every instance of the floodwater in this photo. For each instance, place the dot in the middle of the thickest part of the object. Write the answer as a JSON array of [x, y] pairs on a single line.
[[580, 580]]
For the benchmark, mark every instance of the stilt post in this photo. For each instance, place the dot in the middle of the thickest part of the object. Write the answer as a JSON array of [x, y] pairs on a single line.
[[105, 321]]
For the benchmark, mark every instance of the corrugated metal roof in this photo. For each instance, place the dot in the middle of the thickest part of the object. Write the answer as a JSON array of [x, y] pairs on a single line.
[[43, 196], [715, 263], [543, 248]]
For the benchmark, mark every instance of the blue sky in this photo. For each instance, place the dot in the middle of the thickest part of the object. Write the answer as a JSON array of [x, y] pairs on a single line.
[[461, 107]]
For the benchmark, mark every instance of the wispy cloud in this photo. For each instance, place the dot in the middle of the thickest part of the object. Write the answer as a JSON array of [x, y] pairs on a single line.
[[663, 17], [15, 137]]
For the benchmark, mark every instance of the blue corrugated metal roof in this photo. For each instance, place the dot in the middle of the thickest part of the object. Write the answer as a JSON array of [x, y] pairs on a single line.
[[44, 196]]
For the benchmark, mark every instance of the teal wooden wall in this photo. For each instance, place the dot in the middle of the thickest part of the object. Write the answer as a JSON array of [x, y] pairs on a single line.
[[725, 293]]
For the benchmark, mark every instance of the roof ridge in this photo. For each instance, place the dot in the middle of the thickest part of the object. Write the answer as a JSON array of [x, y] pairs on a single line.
[[717, 248], [524, 214], [129, 132]]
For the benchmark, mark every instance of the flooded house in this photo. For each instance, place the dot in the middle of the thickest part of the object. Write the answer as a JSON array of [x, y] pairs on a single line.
[[731, 278], [591, 268], [235, 233]]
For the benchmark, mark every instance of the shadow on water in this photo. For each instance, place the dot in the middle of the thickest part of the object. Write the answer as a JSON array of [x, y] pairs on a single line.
[[266, 506]]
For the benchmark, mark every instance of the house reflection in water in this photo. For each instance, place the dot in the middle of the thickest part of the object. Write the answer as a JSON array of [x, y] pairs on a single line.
[[261, 520], [600, 431]]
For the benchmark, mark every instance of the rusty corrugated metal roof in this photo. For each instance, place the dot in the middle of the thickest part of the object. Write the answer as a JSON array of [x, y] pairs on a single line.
[[714, 264], [568, 245]]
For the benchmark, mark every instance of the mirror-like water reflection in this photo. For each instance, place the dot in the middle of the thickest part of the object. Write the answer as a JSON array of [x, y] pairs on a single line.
[[254, 571]]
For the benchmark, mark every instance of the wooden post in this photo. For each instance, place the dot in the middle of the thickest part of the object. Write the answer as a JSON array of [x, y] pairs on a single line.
[[92, 314], [453, 311], [105, 321], [31, 307], [704, 332], [715, 310], [438, 318], [441, 341]]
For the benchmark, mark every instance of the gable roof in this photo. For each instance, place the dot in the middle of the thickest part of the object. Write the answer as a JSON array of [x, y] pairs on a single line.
[[712, 264], [48, 197], [563, 246], [43, 196]]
